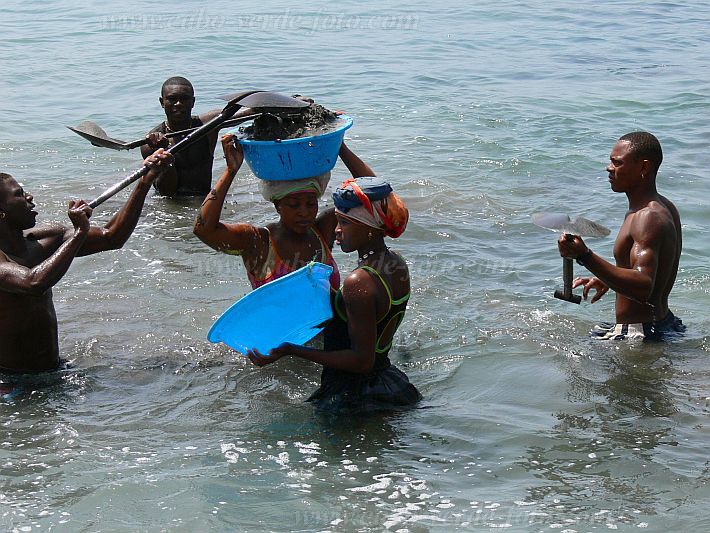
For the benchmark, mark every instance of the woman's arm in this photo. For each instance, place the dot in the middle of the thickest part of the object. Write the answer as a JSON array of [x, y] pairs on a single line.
[[230, 238], [326, 223], [357, 167]]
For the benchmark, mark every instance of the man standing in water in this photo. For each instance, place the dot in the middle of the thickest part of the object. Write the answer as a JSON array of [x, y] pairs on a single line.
[[191, 175], [33, 259], [647, 248]]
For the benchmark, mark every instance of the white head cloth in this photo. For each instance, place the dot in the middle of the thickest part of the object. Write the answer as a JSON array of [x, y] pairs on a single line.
[[276, 190]]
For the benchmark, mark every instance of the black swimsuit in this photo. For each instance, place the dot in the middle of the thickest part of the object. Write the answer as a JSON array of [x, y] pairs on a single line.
[[193, 164], [385, 385]]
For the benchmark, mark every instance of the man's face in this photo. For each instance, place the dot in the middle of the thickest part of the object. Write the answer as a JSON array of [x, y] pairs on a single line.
[[177, 100], [624, 168], [17, 205]]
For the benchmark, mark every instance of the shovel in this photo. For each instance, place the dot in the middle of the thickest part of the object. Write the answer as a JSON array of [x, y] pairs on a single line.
[[92, 132], [583, 227], [252, 99]]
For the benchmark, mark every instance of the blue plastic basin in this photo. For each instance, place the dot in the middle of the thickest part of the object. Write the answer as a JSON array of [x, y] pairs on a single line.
[[292, 308], [294, 159]]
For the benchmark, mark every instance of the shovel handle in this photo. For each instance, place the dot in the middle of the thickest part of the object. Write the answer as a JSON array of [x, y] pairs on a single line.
[[200, 132], [224, 117], [125, 182], [226, 124], [567, 275]]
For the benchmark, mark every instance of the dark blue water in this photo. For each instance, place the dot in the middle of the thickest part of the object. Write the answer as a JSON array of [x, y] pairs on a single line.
[[481, 114]]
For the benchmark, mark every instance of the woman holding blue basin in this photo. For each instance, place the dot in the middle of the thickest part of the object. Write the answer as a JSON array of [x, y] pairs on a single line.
[[357, 373], [298, 237]]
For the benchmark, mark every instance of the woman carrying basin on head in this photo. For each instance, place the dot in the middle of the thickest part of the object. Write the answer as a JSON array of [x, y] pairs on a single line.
[[298, 237], [357, 373]]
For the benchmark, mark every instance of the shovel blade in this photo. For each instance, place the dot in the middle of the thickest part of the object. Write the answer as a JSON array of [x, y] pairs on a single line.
[[562, 223], [97, 136], [267, 99], [589, 228], [553, 221]]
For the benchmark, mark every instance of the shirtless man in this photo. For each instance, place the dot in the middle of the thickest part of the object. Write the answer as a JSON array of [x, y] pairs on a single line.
[[191, 175], [647, 248], [33, 259]]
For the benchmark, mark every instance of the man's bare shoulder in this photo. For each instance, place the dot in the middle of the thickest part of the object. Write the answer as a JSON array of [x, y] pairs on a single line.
[[656, 219], [209, 115], [661, 211], [670, 206]]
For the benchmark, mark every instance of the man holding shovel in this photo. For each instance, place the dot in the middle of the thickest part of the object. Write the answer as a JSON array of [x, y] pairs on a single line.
[[34, 259], [647, 248], [191, 174]]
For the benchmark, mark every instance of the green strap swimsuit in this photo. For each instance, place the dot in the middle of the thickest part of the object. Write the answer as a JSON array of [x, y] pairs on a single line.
[[386, 386], [394, 315]]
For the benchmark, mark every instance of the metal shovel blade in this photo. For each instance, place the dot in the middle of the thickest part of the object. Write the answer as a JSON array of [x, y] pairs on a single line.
[[97, 136], [588, 228], [553, 221], [266, 99], [563, 224]]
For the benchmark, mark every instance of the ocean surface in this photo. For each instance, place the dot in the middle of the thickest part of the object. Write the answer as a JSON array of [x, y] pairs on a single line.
[[481, 114]]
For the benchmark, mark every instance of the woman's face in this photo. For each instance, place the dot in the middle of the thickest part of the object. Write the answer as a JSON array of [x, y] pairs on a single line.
[[298, 211], [350, 235]]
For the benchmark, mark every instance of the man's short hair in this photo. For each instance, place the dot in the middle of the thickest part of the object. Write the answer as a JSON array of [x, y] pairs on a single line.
[[645, 146], [4, 178], [176, 80]]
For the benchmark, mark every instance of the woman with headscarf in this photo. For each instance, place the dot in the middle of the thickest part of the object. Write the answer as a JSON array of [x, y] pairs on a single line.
[[357, 373], [270, 252]]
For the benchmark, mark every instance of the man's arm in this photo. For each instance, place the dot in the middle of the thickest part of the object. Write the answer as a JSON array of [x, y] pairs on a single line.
[[636, 282], [119, 228], [166, 182], [17, 279], [156, 139], [209, 115]]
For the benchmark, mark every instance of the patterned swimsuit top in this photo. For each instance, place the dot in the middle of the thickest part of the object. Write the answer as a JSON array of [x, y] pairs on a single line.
[[275, 267], [388, 324]]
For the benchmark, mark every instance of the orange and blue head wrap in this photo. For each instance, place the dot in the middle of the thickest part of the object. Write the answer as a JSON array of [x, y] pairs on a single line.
[[371, 201]]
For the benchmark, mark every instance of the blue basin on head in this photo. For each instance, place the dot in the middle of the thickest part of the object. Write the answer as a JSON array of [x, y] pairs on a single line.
[[294, 159]]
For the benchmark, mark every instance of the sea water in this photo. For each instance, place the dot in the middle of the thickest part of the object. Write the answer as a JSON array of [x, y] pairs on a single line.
[[480, 114]]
